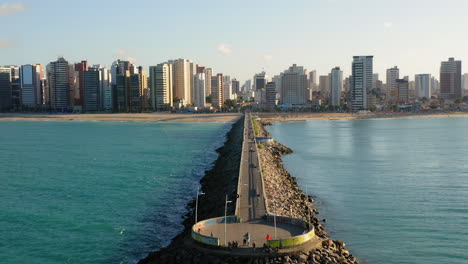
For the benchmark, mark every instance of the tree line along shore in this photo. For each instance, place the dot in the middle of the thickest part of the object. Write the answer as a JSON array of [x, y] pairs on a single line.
[[282, 192]]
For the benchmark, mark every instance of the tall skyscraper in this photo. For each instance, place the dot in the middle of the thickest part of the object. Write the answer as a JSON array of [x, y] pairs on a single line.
[[208, 73], [392, 90], [227, 90], [135, 92], [80, 68], [59, 86], [235, 87], [294, 86], [260, 80], [15, 86], [403, 90], [161, 86], [270, 95], [217, 95], [313, 81], [362, 73], [123, 92], [92, 97], [465, 82], [450, 79], [324, 84], [105, 88], [336, 84], [423, 86], [31, 84], [199, 91], [183, 80], [5, 89]]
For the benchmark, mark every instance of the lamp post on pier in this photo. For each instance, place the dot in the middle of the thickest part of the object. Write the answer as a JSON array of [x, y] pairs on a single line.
[[225, 220], [196, 204]]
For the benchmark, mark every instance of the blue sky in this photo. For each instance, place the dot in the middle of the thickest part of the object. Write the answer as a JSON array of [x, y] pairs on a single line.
[[240, 37]]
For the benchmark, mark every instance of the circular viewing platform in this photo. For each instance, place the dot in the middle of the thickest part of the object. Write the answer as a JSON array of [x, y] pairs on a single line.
[[223, 233]]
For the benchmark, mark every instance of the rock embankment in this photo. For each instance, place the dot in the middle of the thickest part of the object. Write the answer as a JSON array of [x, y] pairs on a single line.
[[285, 198]]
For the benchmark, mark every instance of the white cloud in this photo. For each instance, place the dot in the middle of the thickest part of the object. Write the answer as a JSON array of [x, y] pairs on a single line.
[[124, 54], [388, 25], [120, 53], [7, 9], [267, 57], [6, 43], [225, 49]]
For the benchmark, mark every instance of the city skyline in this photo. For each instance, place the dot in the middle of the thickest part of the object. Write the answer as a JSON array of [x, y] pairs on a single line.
[[246, 38]]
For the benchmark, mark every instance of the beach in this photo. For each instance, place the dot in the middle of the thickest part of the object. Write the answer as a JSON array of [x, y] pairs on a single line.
[[126, 117], [293, 116]]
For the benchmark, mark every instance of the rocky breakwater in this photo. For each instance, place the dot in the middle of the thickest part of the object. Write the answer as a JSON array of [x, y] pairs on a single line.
[[285, 196], [220, 180]]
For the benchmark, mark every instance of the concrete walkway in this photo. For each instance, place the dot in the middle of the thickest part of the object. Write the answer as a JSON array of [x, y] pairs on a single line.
[[251, 203]]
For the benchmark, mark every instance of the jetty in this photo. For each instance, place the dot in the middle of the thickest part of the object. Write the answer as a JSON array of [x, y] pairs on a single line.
[[253, 219]]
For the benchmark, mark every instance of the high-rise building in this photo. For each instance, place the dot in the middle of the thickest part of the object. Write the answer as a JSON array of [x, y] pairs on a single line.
[[217, 95], [392, 90], [183, 80], [403, 90], [294, 86], [465, 82], [227, 90], [31, 77], [105, 88], [123, 92], [161, 86], [144, 91], [362, 73], [450, 79], [336, 85], [435, 85], [313, 81], [260, 80], [423, 86], [235, 87], [15, 86], [5, 88], [324, 84], [208, 73], [199, 91], [270, 95], [92, 96], [59, 86], [80, 68]]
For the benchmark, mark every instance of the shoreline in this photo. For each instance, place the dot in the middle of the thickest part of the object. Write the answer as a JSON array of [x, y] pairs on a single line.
[[126, 117], [293, 117]]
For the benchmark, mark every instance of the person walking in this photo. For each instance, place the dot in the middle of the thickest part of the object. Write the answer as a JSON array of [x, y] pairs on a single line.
[[248, 239]]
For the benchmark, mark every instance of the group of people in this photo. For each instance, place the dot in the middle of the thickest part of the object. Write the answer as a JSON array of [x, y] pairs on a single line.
[[233, 244]]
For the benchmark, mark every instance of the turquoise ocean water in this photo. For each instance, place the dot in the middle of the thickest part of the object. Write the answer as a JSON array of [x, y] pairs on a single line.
[[97, 192], [396, 191]]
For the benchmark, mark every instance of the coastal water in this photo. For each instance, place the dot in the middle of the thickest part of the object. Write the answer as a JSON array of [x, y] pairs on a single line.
[[396, 191], [97, 192]]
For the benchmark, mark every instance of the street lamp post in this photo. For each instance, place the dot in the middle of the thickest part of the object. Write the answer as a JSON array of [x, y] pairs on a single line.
[[274, 219], [225, 221], [308, 207], [196, 204]]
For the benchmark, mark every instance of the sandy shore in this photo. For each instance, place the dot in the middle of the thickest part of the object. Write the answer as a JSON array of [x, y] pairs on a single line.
[[140, 117], [285, 117]]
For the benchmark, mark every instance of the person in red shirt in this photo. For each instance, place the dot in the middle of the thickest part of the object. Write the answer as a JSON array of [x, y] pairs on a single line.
[[268, 237]]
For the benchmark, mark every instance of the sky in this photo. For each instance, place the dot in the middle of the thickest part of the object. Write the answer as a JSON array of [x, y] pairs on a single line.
[[238, 38]]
